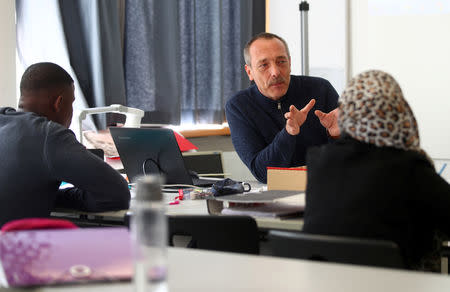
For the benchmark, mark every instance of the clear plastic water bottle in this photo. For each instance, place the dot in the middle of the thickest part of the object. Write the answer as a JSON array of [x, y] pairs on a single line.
[[148, 227]]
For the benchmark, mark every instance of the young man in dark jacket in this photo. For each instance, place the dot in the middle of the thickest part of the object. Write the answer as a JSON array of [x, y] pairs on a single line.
[[38, 152]]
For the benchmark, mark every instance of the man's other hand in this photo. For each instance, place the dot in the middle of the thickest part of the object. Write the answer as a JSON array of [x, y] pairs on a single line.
[[330, 122]]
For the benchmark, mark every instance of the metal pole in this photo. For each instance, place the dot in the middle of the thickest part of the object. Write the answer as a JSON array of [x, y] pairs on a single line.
[[348, 55], [304, 8]]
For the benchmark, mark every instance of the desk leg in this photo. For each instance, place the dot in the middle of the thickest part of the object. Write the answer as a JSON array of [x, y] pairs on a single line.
[[444, 265]]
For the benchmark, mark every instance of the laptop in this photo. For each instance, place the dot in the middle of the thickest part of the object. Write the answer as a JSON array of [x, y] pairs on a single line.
[[205, 163], [154, 151], [59, 256]]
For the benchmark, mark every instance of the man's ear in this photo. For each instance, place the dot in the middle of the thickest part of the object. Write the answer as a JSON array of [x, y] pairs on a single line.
[[248, 69], [57, 103]]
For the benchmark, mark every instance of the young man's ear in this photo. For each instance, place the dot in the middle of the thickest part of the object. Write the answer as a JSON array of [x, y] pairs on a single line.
[[248, 69], [57, 103]]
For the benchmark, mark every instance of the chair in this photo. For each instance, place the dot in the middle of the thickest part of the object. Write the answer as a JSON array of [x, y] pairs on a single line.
[[338, 249], [221, 233]]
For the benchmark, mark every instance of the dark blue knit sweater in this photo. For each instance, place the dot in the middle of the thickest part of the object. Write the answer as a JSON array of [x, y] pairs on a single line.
[[257, 124]]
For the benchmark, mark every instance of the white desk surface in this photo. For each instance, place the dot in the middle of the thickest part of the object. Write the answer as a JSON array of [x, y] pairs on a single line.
[[198, 207], [197, 270]]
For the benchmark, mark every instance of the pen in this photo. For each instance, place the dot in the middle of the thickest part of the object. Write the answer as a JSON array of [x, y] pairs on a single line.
[[180, 195], [174, 202], [442, 168]]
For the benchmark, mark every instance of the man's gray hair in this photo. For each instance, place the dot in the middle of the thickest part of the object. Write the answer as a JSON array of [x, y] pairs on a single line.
[[263, 35]]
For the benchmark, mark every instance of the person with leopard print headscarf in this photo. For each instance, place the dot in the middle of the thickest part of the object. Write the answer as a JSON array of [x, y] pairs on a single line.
[[376, 181]]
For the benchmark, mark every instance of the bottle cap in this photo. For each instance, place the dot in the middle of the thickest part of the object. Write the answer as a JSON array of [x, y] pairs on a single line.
[[149, 188]]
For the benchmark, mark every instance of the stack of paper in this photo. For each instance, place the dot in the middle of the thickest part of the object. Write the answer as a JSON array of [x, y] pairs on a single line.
[[265, 204]]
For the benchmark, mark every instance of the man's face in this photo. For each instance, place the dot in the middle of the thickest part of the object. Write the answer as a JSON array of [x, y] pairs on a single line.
[[270, 67]]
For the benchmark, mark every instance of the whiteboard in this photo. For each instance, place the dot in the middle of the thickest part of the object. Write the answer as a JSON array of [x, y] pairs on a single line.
[[409, 39]]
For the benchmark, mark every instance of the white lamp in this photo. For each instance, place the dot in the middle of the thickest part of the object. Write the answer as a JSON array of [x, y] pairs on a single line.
[[133, 116]]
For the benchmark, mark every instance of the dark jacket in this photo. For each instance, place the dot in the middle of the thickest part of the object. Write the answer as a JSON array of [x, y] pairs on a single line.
[[358, 189], [36, 155], [257, 124]]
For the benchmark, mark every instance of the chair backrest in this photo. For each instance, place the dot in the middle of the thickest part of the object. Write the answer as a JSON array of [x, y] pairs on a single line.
[[221, 233], [338, 249]]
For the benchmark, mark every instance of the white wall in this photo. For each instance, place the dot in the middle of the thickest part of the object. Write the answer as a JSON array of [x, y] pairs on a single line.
[[8, 95], [327, 36], [410, 40], [407, 38]]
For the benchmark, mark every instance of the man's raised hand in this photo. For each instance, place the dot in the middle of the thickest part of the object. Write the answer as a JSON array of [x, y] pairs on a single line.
[[295, 118]]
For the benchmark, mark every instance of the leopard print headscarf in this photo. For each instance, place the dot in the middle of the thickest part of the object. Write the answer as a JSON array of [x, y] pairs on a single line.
[[373, 110]]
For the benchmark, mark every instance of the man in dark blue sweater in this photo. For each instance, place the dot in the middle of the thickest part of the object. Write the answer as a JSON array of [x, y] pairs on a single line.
[[38, 151], [270, 122]]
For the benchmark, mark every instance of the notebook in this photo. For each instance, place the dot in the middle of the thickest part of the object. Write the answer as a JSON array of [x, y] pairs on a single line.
[[153, 151], [58, 256]]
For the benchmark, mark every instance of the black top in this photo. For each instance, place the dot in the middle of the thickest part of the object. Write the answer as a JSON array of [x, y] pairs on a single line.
[[36, 155], [258, 126], [358, 189]]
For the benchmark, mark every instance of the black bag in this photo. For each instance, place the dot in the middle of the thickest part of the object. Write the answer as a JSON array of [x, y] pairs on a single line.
[[229, 187]]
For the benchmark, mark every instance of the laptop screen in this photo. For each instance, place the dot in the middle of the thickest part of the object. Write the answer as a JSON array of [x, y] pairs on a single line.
[[150, 151], [204, 163]]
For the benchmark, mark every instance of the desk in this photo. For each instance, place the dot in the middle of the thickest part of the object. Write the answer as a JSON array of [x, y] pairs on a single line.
[[186, 207], [197, 270]]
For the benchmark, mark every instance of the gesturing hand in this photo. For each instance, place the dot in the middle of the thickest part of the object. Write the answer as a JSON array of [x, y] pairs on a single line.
[[295, 118], [329, 121]]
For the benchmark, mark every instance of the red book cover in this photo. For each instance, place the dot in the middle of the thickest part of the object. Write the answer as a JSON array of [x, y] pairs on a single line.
[[183, 143], [288, 168]]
